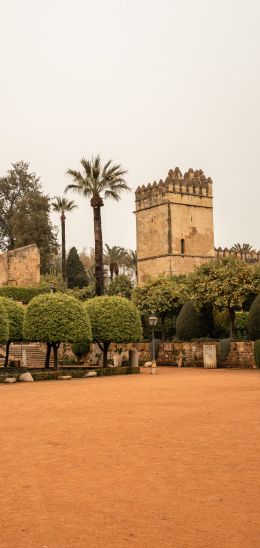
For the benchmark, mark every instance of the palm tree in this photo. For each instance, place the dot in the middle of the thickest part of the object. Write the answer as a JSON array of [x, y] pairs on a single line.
[[114, 257], [97, 182], [131, 261], [242, 248], [62, 205]]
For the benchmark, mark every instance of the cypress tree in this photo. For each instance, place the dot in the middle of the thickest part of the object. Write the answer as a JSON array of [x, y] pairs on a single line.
[[75, 271], [254, 319]]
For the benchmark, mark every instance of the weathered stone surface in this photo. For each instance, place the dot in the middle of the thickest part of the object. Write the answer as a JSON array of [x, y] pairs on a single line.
[[209, 356], [20, 266], [26, 377], [91, 374], [64, 378], [174, 225], [10, 380]]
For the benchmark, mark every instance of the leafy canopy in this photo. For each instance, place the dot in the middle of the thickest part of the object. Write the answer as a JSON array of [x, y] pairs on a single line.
[[226, 283], [113, 319], [4, 323], [121, 285], [161, 296], [96, 180], [56, 318], [15, 313]]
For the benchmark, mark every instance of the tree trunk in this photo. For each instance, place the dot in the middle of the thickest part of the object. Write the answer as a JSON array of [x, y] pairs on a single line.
[[232, 329], [63, 247], [55, 353], [7, 347], [105, 352], [47, 357], [111, 268], [163, 328], [98, 251]]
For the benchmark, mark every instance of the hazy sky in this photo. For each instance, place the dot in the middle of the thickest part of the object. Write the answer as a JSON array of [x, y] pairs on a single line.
[[151, 84]]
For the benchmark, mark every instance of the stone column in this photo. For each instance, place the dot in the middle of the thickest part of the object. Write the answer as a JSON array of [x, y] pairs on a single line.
[[133, 358]]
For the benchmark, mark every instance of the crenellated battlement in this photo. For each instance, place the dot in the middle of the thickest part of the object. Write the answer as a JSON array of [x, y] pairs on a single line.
[[251, 257], [192, 183]]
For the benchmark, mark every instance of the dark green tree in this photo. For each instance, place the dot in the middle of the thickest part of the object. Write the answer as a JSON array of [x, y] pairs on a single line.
[[254, 320], [15, 313], [54, 318], [113, 319], [98, 182], [75, 271], [31, 224], [14, 186], [194, 324]]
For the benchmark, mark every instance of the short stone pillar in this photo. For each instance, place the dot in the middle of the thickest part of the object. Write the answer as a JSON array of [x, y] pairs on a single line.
[[133, 358], [24, 358], [210, 356]]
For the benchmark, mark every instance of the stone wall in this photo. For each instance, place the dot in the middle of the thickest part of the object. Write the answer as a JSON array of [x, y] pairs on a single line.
[[20, 266], [190, 354]]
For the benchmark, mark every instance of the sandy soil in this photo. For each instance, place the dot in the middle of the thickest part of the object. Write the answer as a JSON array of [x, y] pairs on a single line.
[[171, 460]]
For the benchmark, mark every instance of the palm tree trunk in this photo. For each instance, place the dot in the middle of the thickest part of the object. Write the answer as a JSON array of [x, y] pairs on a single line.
[[63, 247], [98, 251]]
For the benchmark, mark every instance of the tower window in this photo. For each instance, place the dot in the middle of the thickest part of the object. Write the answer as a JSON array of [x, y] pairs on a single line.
[[182, 246]]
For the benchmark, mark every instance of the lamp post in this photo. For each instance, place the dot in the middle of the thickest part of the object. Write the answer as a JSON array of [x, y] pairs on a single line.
[[153, 322]]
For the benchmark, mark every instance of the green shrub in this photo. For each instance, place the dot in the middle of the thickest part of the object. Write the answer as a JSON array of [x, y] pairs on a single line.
[[241, 323], [4, 324], [113, 319], [121, 285], [223, 348], [15, 313], [257, 352], [22, 294], [192, 324], [80, 348], [254, 320]]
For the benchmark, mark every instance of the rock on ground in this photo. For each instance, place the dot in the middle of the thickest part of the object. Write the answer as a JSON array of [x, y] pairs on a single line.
[[10, 380], [26, 377], [90, 374], [64, 378]]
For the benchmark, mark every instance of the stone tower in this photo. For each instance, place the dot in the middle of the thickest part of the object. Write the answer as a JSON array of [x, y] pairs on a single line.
[[174, 222]]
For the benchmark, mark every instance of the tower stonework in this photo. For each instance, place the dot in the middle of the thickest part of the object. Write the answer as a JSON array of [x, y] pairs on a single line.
[[174, 224]]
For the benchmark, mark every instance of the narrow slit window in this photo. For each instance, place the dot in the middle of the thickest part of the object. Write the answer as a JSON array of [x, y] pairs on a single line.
[[182, 246]]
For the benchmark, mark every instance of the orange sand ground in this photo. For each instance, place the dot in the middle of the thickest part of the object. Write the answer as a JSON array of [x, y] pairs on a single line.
[[168, 460]]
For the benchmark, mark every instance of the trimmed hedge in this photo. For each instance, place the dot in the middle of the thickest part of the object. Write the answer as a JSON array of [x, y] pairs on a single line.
[[192, 324], [48, 375], [257, 352], [22, 294]]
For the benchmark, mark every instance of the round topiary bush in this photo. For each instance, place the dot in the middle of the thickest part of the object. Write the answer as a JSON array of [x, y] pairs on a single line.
[[15, 313], [4, 324], [254, 320], [56, 318], [113, 319]]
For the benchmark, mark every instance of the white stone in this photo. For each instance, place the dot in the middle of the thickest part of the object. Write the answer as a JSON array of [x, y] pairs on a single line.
[[10, 380], [90, 374], [26, 377], [148, 364], [64, 377]]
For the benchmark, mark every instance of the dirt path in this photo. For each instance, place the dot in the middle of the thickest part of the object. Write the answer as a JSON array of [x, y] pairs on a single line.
[[171, 460]]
